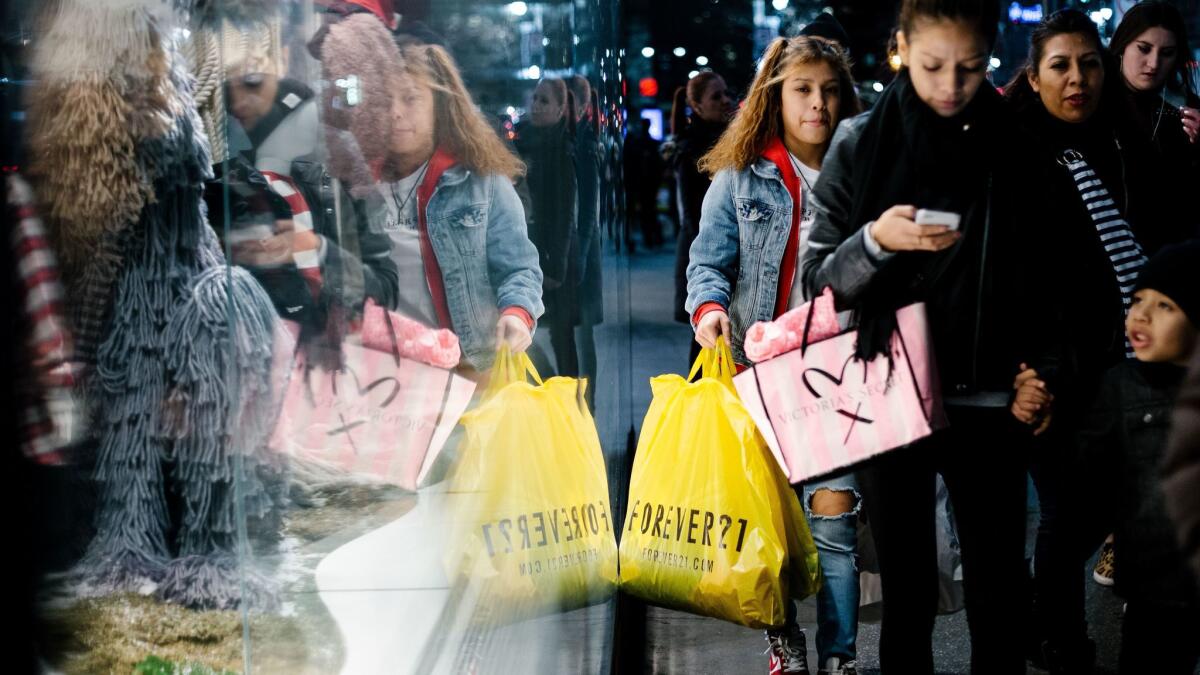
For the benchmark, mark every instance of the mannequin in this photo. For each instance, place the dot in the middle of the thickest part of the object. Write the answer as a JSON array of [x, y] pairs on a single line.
[[178, 410]]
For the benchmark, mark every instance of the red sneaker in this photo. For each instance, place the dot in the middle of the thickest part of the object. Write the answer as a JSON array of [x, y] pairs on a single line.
[[788, 652]]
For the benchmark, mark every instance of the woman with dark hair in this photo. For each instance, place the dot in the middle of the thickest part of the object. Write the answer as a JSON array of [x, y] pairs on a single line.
[[1093, 208], [1151, 46], [588, 277], [707, 96], [546, 142], [938, 138], [1160, 119]]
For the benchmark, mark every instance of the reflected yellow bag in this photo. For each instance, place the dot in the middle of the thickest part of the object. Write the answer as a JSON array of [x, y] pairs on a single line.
[[530, 497], [713, 527]]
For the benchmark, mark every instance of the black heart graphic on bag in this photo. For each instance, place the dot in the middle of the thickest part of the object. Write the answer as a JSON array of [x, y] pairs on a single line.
[[838, 380], [363, 392]]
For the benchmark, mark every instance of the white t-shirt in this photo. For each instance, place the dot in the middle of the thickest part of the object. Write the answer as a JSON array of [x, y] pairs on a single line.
[[808, 215], [403, 229]]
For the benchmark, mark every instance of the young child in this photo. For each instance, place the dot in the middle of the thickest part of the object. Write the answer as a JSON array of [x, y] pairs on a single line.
[[1127, 435], [754, 225]]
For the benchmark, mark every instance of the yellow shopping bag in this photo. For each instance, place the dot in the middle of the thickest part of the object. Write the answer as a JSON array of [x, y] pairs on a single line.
[[713, 527], [535, 528]]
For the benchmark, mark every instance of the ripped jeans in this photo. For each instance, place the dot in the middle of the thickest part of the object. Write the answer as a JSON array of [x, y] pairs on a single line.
[[836, 537]]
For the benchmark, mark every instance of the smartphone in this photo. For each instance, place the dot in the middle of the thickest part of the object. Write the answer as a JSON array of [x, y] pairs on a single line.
[[931, 217]]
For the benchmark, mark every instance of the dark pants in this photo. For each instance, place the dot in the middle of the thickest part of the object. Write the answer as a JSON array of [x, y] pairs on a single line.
[[1074, 522], [984, 470], [1158, 639]]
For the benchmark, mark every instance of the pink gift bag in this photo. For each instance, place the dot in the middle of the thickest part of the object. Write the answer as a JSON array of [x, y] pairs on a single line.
[[383, 416], [822, 410]]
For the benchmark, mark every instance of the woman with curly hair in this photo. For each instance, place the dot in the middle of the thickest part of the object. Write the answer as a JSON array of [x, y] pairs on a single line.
[[754, 226]]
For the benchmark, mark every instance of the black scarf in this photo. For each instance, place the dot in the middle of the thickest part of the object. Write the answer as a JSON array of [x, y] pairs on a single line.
[[908, 154]]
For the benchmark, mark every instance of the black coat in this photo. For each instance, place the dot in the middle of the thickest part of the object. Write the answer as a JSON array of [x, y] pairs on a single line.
[[1181, 468], [690, 187], [690, 145], [977, 306], [1126, 436], [1167, 162], [1083, 319], [588, 277], [549, 154], [357, 263]]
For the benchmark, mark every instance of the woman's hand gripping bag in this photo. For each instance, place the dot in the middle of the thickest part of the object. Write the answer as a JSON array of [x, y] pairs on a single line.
[[713, 527], [534, 531]]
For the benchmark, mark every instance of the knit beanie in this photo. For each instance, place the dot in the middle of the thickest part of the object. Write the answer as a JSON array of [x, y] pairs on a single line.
[[1175, 272], [827, 26]]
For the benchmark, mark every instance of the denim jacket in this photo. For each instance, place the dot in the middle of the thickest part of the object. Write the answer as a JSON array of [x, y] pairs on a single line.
[[736, 258], [477, 230]]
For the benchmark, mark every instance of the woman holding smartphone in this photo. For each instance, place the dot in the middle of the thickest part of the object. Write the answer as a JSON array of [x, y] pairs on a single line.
[[938, 139]]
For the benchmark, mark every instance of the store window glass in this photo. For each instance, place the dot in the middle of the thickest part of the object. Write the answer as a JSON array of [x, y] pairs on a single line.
[[337, 366]]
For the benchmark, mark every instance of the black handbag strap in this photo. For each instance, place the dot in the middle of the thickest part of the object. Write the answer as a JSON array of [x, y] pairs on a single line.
[[387, 320], [812, 311]]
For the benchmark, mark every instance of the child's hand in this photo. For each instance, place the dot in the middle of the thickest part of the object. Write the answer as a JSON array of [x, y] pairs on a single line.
[[1033, 402], [712, 325], [511, 330]]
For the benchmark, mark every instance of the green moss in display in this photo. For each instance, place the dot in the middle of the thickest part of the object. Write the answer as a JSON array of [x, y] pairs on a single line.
[[156, 666]]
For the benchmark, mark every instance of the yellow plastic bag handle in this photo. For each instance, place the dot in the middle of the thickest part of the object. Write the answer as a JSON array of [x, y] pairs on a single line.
[[716, 363], [509, 368]]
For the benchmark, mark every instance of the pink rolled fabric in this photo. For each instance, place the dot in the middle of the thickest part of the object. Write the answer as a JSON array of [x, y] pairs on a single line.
[[413, 339], [768, 339]]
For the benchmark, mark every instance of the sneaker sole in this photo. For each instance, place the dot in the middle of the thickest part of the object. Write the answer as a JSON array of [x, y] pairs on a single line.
[[1101, 579]]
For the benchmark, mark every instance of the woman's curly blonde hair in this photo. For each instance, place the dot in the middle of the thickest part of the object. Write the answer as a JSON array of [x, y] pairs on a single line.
[[761, 118], [460, 127]]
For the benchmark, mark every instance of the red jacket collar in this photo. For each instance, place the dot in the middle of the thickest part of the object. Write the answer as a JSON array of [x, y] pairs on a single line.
[[438, 164], [777, 152]]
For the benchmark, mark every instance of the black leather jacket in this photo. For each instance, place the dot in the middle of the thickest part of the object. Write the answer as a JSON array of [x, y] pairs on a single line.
[[356, 262], [975, 311]]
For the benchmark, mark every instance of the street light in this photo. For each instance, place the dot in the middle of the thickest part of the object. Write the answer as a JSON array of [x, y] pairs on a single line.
[[680, 52], [648, 52], [517, 8], [702, 60]]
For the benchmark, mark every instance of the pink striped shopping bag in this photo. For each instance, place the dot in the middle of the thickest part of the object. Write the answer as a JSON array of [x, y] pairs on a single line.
[[822, 410], [382, 417]]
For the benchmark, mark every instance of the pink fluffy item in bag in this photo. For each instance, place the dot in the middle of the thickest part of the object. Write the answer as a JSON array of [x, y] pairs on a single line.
[[768, 339], [408, 338]]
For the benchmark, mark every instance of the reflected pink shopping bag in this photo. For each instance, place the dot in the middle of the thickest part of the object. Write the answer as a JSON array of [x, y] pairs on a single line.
[[821, 410], [382, 417]]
